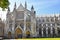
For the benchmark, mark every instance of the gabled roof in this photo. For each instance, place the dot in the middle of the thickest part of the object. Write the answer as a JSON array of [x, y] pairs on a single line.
[[20, 8]]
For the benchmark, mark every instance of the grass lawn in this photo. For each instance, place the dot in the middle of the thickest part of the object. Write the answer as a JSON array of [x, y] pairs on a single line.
[[40, 39]]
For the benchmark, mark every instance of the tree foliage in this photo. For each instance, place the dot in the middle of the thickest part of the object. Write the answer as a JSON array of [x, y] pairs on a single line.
[[4, 4]]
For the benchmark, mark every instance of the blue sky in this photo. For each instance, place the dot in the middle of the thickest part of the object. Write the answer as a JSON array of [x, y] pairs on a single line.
[[42, 7]]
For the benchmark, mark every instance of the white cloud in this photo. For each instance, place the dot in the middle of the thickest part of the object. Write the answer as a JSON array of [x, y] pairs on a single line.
[[47, 15]]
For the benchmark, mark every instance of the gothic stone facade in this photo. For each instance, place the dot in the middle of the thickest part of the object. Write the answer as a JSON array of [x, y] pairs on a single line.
[[22, 22]]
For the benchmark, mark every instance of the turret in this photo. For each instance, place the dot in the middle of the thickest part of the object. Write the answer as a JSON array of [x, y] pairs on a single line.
[[15, 6], [25, 5], [32, 9], [8, 11], [33, 20], [34, 14]]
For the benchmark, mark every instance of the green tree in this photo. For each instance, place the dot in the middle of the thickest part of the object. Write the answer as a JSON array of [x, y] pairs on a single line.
[[4, 4]]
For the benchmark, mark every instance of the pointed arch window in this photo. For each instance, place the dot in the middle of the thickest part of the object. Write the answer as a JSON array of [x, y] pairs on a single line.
[[22, 25]]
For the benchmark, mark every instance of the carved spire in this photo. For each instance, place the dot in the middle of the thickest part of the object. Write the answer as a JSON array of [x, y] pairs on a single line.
[[25, 5], [8, 11], [32, 7], [15, 6]]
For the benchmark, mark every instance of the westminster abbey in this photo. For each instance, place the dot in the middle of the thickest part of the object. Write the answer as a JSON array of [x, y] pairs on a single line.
[[23, 23]]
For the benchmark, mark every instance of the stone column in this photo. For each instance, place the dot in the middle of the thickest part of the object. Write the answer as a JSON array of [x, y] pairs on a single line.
[[56, 32], [32, 27], [46, 31], [24, 22], [42, 32], [24, 32]]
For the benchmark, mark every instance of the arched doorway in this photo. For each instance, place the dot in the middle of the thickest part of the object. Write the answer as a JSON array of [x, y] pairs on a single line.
[[27, 34], [9, 34], [18, 33]]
